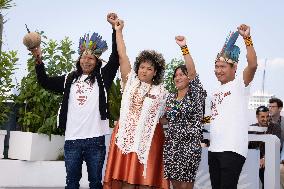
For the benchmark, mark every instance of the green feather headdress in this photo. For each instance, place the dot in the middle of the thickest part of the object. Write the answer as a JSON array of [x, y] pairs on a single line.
[[95, 44], [230, 52]]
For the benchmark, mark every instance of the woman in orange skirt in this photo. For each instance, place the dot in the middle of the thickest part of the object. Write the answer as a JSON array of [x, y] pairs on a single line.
[[136, 147]]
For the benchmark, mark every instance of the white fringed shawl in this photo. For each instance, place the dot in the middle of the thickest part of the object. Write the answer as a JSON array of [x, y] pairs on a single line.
[[138, 138]]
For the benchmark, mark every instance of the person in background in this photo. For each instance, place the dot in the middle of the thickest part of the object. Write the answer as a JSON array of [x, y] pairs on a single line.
[[262, 116], [275, 108]]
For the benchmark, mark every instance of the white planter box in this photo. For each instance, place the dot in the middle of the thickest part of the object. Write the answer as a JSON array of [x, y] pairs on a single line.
[[2, 137], [40, 174], [36, 174], [34, 147]]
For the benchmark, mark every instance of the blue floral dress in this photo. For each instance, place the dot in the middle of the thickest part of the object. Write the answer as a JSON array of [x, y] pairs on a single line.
[[182, 149]]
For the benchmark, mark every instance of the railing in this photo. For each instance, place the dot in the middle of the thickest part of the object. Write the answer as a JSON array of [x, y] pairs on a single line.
[[272, 158], [16, 173]]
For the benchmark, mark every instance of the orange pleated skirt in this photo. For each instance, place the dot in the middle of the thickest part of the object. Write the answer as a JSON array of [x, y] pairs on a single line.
[[127, 168]]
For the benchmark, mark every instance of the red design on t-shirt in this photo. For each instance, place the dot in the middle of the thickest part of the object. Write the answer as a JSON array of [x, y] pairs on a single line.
[[217, 99], [83, 89]]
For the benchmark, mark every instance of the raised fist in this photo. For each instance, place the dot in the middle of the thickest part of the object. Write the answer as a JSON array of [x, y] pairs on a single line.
[[112, 18], [119, 24], [180, 40], [244, 30]]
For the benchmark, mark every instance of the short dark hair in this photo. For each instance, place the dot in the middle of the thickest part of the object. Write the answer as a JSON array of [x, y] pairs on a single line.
[[182, 68], [156, 59], [261, 109], [278, 101]]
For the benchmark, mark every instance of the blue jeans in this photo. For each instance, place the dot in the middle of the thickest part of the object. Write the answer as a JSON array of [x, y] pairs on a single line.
[[90, 150]]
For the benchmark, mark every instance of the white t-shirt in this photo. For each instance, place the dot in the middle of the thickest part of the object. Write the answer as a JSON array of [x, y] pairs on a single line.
[[83, 117], [229, 124]]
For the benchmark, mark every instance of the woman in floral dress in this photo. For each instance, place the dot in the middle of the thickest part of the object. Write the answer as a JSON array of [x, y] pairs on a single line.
[[184, 111]]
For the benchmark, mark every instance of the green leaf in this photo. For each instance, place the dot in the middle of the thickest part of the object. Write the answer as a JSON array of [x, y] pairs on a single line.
[[40, 113], [7, 67]]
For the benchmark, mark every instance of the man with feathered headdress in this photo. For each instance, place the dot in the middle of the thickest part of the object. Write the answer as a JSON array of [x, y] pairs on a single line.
[[229, 126], [84, 111]]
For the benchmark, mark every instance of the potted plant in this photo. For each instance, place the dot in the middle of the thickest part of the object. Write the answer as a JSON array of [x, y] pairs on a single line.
[[8, 61], [38, 107]]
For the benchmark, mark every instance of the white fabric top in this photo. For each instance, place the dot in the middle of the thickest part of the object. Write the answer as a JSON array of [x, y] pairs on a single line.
[[141, 107], [229, 124], [83, 117]]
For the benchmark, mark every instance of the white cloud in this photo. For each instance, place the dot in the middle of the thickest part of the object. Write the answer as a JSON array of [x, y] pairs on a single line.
[[275, 62]]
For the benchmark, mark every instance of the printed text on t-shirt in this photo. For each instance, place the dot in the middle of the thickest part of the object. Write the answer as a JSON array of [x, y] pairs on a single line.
[[217, 100]]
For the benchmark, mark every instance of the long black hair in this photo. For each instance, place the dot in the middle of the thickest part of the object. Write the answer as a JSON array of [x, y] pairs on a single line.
[[93, 76]]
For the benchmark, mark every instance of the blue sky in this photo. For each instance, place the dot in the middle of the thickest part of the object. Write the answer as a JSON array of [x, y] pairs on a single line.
[[154, 24]]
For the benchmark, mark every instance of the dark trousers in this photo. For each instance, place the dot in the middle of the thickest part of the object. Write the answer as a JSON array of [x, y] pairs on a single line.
[[90, 150], [225, 169], [261, 176]]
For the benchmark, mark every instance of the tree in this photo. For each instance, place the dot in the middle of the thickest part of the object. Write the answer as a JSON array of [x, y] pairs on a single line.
[[4, 5], [170, 68], [169, 82], [8, 61], [39, 107]]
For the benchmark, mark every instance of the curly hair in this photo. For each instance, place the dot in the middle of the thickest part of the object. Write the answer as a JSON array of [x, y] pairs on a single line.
[[156, 59]]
